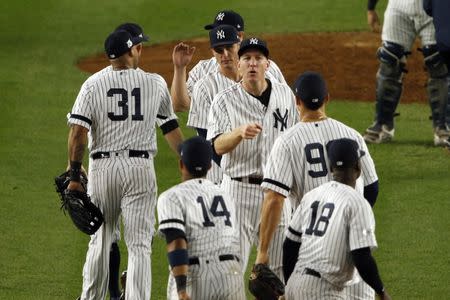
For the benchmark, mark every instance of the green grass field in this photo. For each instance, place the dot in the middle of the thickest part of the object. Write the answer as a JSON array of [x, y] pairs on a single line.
[[41, 252]]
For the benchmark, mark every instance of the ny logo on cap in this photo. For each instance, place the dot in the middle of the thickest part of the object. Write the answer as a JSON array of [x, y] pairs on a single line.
[[129, 43], [220, 34], [254, 41], [220, 16]]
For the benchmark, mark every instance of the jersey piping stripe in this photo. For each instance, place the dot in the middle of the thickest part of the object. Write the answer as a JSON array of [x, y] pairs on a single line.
[[172, 221], [278, 184], [161, 117], [82, 118]]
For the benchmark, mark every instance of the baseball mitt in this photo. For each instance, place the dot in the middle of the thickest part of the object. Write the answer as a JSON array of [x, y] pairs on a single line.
[[84, 214], [62, 182], [265, 284]]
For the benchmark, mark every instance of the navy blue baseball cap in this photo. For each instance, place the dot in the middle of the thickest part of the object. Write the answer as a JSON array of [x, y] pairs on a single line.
[[135, 30], [253, 43], [118, 43], [311, 88], [196, 155], [344, 153], [227, 17], [223, 35]]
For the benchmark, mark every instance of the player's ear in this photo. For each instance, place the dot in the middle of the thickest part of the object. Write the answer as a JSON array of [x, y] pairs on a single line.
[[327, 98]]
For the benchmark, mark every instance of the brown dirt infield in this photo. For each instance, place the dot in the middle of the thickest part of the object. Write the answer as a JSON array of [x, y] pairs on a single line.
[[346, 59]]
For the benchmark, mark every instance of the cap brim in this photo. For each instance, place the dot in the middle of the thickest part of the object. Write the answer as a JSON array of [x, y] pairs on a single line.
[[224, 43], [139, 39], [263, 49], [209, 26]]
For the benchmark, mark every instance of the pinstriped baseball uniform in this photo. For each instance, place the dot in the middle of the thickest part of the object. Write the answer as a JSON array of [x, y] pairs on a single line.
[[120, 109], [204, 67], [206, 215], [298, 164], [230, 109], [406, 19], [331, 221]]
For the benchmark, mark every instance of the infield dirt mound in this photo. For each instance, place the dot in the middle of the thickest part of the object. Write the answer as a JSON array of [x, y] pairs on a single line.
[[346, 59]]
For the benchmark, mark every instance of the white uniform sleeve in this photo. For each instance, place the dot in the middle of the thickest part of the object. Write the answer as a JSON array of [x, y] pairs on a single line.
[[368, 172], [82, 109], [294, 230], [165, 111], [278, 172], [275, 71], [200, 105], [218, 120], [170, 211], [361, 224]]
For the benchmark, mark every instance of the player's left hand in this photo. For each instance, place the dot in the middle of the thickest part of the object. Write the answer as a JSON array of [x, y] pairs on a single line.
[[182, 55], [373, 21], [183, 296]]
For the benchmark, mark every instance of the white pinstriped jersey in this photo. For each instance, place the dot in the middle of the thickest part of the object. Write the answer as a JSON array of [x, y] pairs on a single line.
[[204, 67], [115, 104], [404, 20], [234, 107], [205, 213], [298, 161], [331, 221]]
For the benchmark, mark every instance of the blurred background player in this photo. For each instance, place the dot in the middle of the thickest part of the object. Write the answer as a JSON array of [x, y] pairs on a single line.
[[181, 90], [198, 221], [404, 20]]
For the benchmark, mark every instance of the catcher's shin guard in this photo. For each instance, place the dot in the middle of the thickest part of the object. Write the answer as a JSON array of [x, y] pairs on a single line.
[[437, 86], [389, 84]]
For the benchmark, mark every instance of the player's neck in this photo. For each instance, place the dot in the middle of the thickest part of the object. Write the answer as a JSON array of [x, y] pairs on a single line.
[[312, 115], [255, 88], [231, 73]]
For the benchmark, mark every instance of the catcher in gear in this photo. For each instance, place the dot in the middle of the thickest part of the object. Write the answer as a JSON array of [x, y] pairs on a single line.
[[265, 284], [85, 215]]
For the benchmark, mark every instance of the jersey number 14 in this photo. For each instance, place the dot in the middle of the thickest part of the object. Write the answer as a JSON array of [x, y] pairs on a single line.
[[217, 209]]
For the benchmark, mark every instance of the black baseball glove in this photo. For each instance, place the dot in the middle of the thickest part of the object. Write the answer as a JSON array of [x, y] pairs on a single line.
[[85, 215], [265, 284]]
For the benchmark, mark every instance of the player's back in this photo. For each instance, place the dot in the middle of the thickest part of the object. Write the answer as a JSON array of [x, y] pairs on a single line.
[[306, 143], [208, 214], [124, 105], [324, 218]]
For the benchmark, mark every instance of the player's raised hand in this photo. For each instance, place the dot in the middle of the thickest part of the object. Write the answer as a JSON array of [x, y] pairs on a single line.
[[249, 131], [373, 21], [182, 54]]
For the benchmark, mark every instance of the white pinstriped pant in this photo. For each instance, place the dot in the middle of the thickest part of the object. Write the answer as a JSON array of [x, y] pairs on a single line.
[[307, 287], [248, 201], [121, 186], [215, 280], [403, 27]]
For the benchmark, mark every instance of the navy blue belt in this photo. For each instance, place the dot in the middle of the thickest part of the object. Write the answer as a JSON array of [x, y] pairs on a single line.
[[311, 272], [251, 180], [196, 261], [131, 153]]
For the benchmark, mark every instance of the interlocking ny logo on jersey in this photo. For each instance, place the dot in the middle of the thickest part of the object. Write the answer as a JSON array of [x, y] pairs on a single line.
[[280, 119], [254, 41], [220, 16], [220, 34]]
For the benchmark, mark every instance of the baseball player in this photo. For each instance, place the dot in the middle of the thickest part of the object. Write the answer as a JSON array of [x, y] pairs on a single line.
[[298, 164], [118, 110], [181, 90], [404, 20], [243, 124], [332, 232], [114, 262], [198, 221], [439, 10]]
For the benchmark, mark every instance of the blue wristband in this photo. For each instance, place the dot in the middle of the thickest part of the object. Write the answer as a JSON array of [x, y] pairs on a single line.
[[178, 257]]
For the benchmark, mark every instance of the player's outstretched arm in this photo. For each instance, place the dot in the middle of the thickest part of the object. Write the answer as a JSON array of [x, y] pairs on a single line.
[[226, 142], [174, 138], [181, 56], [76, 144], [270, 218]]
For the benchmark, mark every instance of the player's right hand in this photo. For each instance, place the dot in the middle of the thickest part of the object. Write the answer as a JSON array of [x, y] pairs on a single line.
[[249, 131], [373, 21], [182, 55]]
